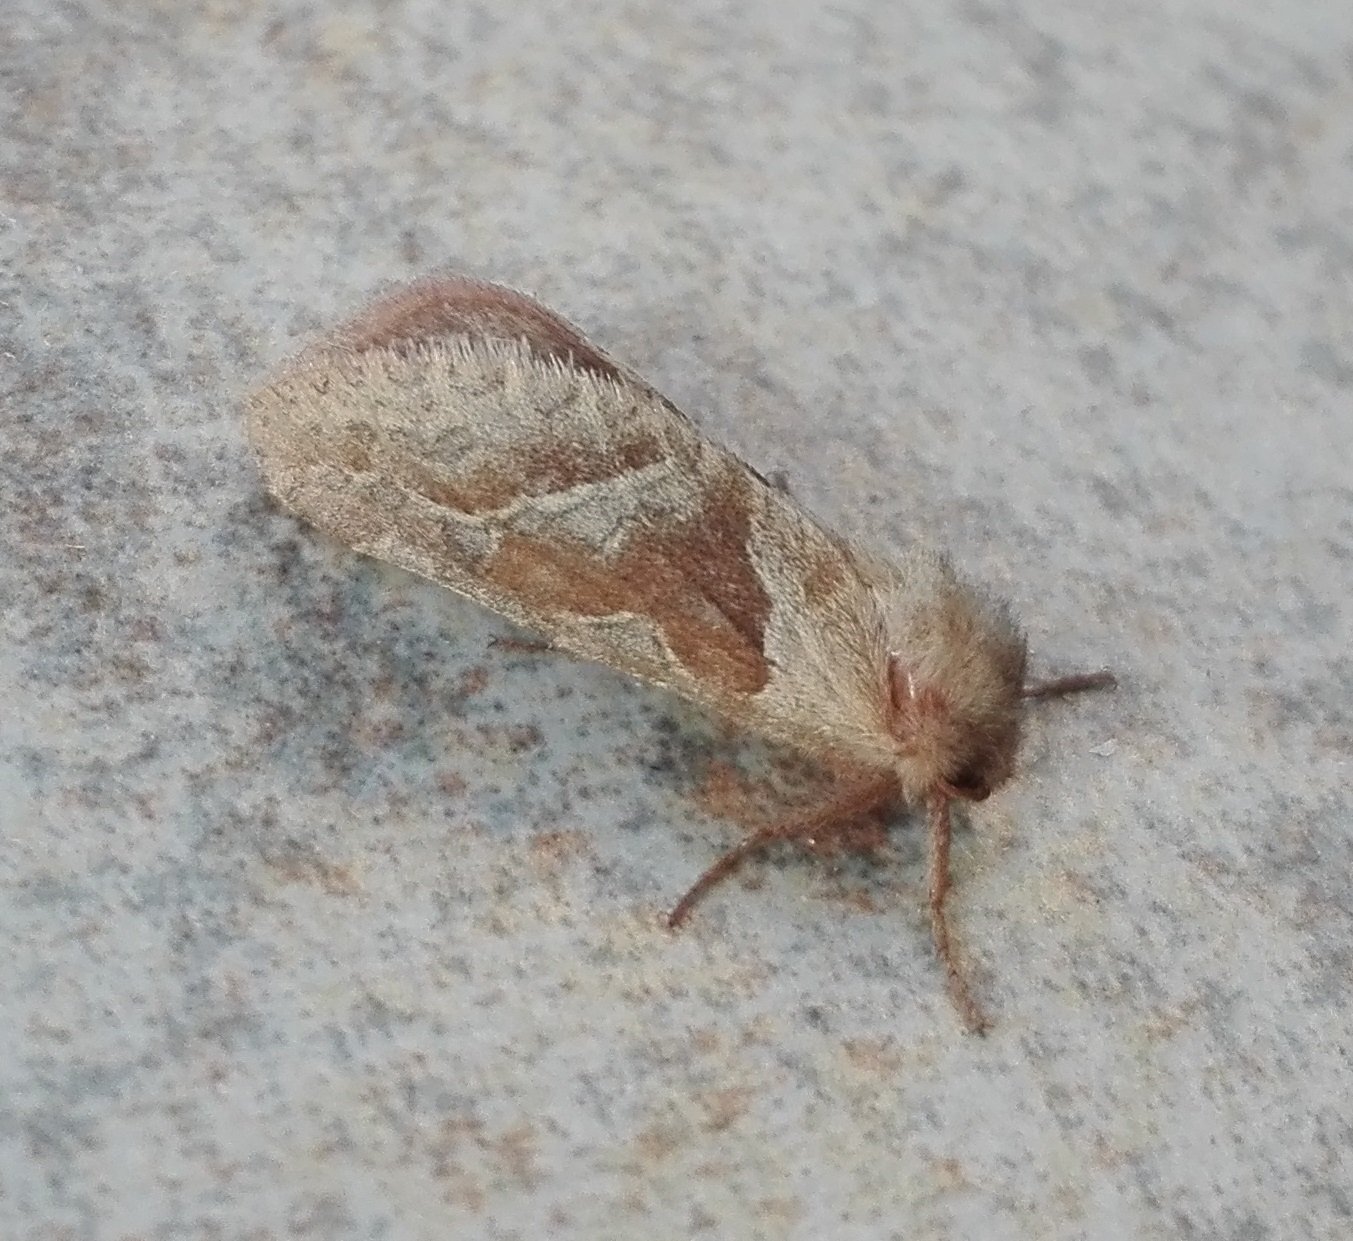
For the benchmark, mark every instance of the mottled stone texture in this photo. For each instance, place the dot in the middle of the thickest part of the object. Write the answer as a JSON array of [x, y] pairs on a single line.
[[324, 918]]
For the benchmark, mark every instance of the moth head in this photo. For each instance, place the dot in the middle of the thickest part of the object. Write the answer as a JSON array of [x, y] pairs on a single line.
[[955, 670]]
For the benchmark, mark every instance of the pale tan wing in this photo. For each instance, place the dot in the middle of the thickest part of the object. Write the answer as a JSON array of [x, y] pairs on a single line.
[[465, 433]]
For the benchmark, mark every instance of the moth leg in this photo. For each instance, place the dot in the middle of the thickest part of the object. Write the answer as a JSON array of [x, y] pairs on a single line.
[[523, 646], [725, 866], [830, 827], [1077, 683], [959, 989]]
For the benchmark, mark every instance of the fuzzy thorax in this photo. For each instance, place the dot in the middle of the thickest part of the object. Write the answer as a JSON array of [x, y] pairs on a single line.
[[956, 662]]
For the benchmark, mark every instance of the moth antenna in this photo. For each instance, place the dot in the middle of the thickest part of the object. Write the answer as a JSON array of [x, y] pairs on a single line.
[[832, 818], [1076, 683], [959, 990]]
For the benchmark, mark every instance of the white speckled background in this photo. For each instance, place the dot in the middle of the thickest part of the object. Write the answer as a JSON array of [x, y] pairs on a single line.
[[322, 918]]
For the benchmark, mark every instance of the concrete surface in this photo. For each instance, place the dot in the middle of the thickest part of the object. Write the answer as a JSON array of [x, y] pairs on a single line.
[[323, 918]]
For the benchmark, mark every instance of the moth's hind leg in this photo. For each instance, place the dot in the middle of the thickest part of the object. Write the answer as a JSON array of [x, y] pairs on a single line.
[[1077, 683], [523, 646], [846, 823]]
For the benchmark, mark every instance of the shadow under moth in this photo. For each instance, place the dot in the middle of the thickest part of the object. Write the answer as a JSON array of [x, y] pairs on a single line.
[[464, 432]]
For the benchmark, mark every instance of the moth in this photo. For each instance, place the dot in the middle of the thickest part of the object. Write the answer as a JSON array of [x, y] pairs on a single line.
[[466, 433]]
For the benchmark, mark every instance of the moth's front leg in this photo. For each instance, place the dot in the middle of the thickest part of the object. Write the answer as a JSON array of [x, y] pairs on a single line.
[[844, 822]]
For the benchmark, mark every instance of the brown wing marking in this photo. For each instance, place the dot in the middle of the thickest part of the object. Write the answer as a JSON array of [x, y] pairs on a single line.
[[693, 580], [533, 469]]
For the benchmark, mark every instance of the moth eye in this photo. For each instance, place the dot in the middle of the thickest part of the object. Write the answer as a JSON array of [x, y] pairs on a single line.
[[969, 784]]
